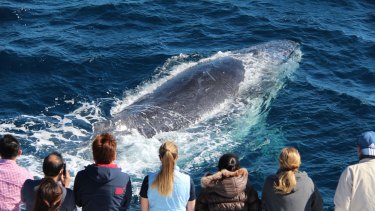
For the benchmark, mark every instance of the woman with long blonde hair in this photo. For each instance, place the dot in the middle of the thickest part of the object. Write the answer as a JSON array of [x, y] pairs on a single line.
[[168, 189], [290, 189]]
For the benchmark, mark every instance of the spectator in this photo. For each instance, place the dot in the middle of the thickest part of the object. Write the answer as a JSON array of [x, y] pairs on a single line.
[[355, 190], [102, 186], [168, 189], [49, 195], [54, 168], [229, 189], [12, 176], [290, 189]]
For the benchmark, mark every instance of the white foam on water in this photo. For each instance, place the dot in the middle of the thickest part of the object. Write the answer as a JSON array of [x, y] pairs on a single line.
[[41, 135]]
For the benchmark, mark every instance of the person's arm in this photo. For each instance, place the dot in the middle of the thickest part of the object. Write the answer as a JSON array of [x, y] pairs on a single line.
[[267, 187], [69, 200], [190, 206], [191, 203], [65, 178], [201, 202], [144, 204], [77, 195], [254, 204], [23, 191], [317, 202], [343, 191], [143, 195], [128, 195]]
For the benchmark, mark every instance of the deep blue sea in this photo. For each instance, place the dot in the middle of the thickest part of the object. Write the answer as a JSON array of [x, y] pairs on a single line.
[[65, 65]]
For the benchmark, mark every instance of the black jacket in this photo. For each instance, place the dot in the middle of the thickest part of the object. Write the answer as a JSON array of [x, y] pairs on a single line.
[[102, 188]]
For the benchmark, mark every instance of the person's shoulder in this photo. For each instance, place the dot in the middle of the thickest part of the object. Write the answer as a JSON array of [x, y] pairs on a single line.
[[32, 182], [354, 167], [69, 200], [23, 172], [183, 175], [29, 186], [124, 175], [303, 176], [69, 193], [152, 174], [84, 170]]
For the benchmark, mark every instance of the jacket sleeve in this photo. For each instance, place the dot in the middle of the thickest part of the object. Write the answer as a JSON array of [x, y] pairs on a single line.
[[317, 202], [128, 195], [77, 195], [201, 202], [24, 191], [265, 192], [69, 200], [253, 201], [343, 191]]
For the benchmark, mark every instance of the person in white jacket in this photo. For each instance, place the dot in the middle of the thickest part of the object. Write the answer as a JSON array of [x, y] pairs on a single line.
[[356, 188]]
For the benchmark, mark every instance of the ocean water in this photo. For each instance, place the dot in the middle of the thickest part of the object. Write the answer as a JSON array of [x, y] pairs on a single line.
[[65, 65]]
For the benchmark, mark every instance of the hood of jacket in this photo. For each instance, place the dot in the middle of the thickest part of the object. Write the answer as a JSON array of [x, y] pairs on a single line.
[[102, 174], [226, 183]]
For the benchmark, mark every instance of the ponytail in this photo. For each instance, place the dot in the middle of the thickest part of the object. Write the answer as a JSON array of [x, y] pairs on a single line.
[[289, 161], [164, 180]]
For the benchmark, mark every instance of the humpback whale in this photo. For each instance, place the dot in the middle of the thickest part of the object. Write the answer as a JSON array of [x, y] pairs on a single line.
[[182, 100]]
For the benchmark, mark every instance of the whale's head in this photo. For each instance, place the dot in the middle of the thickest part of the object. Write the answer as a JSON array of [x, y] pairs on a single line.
[[276, 52]]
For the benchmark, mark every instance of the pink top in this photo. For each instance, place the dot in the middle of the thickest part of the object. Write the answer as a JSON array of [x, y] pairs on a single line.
[[12, 177]]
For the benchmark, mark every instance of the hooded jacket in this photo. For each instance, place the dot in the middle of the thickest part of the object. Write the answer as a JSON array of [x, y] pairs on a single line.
[[102, 187], [227, 190]]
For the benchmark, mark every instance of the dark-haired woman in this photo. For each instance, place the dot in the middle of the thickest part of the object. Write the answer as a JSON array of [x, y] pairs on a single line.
[[168, 189], [290, 189], [48, 196], [228, 189]]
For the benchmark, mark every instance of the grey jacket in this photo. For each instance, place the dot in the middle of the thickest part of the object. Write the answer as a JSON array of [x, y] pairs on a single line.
[[225, 190], [304, 197]]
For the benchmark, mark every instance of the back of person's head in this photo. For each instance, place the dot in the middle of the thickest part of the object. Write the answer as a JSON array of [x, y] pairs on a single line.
[[168, 154], [366, 144], [53, 164], [289, 161], [229, 162], [48, 196], [9, 147], [104, 148]]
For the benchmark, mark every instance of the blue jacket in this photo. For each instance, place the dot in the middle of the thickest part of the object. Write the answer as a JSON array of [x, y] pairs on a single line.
[[102, 187]]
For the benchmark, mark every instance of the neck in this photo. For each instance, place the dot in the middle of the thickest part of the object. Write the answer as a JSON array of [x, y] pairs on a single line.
[[55, 178], [13, 159], [110, 165]]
